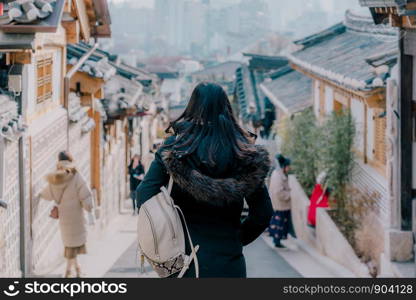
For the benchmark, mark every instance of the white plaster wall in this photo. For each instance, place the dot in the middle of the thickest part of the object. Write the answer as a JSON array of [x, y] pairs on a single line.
[[57, 75], [329, 100], [370, 134], [29, 88], [316, 98], [357, 112]]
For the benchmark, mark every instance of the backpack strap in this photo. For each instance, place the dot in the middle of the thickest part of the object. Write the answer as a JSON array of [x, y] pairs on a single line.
[[170, 185], [194, 250]]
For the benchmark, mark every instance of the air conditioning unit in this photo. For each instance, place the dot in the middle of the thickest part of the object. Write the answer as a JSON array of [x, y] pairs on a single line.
[[15, 78]]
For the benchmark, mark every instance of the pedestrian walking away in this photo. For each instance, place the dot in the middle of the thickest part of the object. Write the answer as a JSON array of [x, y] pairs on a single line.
[[71, 194], [136, 171], [214, 165], [280, 195]]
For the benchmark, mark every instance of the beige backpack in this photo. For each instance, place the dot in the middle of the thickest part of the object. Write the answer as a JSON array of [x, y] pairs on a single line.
[[161, 236]]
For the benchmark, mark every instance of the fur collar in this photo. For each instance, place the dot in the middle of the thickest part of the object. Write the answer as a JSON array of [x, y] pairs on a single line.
[[65, 171], [249, 175], [59, 177]]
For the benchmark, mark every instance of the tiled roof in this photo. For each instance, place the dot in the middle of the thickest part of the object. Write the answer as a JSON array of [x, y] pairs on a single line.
[[28, 16], [17, 40], [130, 72], [248, 81], [388, 58], [266, 62], [385, 3], [11, 125], [99, 69], [339, 53], [290, 91], [226, 69], [121, 92], [245, 91]]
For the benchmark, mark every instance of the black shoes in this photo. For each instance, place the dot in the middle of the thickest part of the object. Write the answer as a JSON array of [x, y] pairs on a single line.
[[279, 245]]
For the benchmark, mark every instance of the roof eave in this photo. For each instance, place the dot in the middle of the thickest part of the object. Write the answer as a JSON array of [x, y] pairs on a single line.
[[49, 25]]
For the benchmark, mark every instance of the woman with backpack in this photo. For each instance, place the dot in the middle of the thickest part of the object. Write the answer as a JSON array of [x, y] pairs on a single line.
[[71, 194], [215, 166]]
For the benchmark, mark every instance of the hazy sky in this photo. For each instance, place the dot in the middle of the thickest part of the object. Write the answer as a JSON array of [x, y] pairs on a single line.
[[328, 5], [145, 3]]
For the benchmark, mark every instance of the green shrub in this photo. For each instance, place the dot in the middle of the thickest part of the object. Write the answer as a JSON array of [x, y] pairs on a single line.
[[300, 145], [326, 147], [336, 156]]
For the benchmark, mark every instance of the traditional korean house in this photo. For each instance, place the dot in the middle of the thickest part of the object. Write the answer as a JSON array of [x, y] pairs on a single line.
[[223, 74], [33, 39], [87, 86], [349, 65], [290, 92], [127, 96], [256, 112], [400, 128]]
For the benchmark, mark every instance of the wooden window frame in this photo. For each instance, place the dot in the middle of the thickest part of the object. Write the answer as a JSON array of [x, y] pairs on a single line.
[[44, 78]]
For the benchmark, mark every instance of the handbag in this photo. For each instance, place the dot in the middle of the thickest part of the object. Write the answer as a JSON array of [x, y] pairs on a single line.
[[54, 214]]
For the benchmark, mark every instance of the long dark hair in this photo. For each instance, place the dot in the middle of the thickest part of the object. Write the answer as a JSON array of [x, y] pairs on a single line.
[[209, 118]]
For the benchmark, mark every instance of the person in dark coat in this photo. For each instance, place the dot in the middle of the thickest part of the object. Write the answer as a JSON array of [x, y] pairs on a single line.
[[136, 171], [215, 166]]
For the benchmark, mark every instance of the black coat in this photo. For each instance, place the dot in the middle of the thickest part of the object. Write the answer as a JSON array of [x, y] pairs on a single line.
[[212, 203], [139, 170]]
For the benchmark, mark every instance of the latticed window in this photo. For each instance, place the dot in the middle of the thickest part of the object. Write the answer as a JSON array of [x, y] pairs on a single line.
[[380, 125], [44, 78]]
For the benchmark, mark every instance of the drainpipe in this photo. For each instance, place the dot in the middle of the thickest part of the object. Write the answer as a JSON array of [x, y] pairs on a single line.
[[67, 81]]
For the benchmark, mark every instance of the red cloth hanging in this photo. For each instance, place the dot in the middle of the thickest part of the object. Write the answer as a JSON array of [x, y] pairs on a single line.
[[315, 197], [1, 8]]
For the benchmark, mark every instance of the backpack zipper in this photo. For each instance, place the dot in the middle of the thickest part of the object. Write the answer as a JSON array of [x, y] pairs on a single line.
[[172, 231], [153, 231]]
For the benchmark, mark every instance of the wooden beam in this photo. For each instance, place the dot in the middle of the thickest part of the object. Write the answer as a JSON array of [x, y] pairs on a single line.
[[376, 101], [73, 31], [68, 6], [96, 154], [365, 133], [395, 21], [81, 11], [87, 84], [406, 136], [87, 100], [24, 58], [99, 94], [341, 88]]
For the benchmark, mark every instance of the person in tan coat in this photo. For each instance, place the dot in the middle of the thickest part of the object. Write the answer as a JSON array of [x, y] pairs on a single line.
[[71, 194], [279, 191]]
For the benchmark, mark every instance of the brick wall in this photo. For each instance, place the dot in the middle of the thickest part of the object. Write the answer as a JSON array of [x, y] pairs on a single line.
[[80, 148], [50, 138], [10, 217], [113, 177]]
